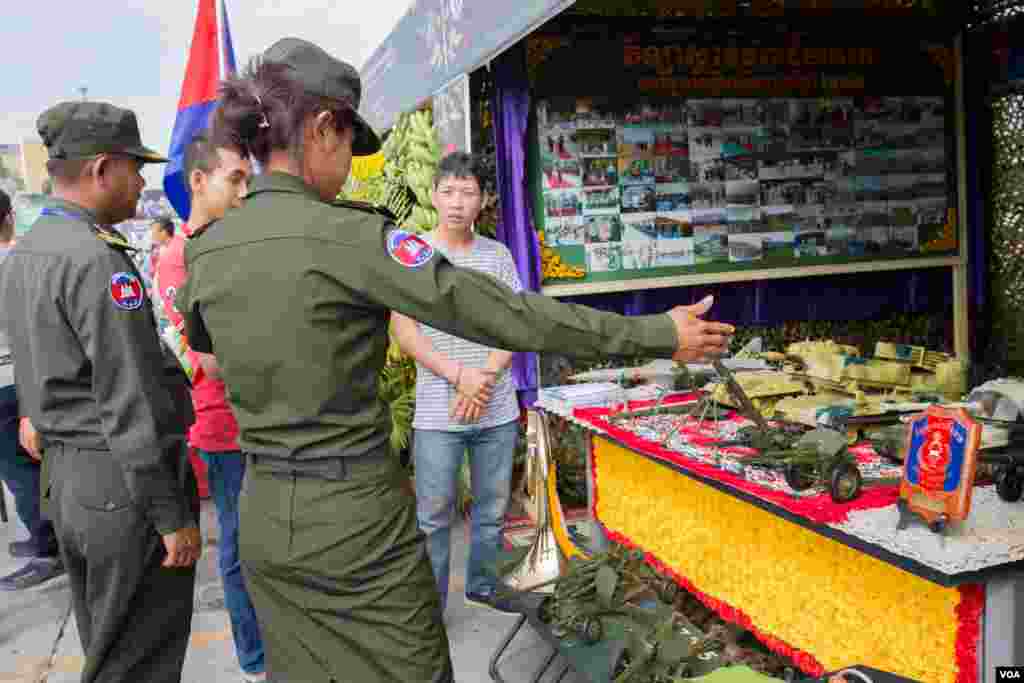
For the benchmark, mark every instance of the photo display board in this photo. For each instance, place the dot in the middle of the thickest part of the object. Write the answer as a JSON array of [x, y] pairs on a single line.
[[803, 157]]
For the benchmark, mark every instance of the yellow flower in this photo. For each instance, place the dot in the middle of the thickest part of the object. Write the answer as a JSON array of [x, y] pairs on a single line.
[[811, 592]]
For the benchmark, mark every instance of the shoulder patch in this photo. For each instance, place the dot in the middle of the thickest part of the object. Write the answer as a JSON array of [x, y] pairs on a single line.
[[126, 291], [365, 207], [113, 239], [409, 249]]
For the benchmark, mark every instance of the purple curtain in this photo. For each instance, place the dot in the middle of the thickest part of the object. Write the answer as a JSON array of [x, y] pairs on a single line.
[[979, 135], [510, 104], [857, 296]]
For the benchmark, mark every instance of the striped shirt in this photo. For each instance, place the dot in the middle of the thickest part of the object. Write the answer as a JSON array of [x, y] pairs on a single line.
[[434, 394]]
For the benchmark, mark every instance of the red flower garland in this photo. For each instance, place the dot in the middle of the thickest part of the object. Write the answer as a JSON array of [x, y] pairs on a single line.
[[968, 631], [819, 508]]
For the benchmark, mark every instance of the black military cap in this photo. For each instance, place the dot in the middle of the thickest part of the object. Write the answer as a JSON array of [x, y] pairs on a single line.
[[79, 130], [322, 74]]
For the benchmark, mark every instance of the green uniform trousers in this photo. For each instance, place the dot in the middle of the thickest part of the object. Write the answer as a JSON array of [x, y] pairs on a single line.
[[339, 576], [134, 616]]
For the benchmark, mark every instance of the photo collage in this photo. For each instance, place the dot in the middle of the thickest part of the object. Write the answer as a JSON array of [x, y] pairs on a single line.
[[774, 181]]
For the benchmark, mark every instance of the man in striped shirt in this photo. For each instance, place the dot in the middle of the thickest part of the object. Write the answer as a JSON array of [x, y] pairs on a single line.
[[465, 398]]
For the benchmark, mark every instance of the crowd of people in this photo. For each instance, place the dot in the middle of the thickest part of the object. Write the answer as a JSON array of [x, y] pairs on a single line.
[[285, 296]]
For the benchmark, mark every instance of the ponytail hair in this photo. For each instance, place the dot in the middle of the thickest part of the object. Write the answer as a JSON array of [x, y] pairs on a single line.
[[266, 109]]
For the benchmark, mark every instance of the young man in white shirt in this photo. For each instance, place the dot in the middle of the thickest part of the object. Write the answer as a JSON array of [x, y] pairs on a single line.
[[465, 398]]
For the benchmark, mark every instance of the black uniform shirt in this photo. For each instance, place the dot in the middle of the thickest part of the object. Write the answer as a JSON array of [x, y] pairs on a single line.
[[90, 365]]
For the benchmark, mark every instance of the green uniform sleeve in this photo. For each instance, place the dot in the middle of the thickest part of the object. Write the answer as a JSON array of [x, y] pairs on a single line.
[[133, 404], [478, 307]]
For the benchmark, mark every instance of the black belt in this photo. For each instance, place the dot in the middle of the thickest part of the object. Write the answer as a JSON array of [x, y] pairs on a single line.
[[333, 468]]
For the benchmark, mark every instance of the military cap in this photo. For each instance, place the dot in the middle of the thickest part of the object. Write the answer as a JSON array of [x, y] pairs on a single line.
[[321, 74], [79, 130]]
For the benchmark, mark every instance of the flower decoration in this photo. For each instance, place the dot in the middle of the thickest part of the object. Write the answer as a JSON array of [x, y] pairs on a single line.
[[810, 598]]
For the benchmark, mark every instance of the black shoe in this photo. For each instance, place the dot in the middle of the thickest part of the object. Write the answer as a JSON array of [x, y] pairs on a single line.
[[29, 549], [492, 602], [35, 573]]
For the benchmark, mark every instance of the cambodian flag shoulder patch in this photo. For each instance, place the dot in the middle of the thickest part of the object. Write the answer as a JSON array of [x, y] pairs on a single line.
[[126, 291], [409, 249]]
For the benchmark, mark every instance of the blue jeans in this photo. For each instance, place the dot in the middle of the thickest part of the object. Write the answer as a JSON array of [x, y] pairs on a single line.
[[226, 472], [21, 474], [438, 458]]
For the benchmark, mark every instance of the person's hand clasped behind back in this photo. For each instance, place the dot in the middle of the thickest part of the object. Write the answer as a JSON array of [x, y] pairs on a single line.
[[28, 437], [699, 339], [184, 547]]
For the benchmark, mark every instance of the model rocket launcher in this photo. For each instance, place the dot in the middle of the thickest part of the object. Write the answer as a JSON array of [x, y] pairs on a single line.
[[938, 473]]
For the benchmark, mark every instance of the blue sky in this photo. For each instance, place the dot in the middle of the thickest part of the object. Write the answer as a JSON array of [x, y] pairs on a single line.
[[133, 52]]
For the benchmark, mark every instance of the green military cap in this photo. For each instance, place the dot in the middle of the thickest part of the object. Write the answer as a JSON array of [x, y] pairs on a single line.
[[79, 130], [321, 74]]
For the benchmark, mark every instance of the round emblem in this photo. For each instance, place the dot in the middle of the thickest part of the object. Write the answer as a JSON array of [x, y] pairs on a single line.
[[409, 249], [126, 291]]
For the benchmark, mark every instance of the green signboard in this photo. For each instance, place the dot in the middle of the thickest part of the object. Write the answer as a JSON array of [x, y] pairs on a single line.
[[711, 154]]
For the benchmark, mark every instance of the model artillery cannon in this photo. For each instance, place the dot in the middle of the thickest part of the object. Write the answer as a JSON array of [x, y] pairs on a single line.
[[819, 457], [784, 436], [592, 588], [663, 646], [660, 644], [1008, 459]]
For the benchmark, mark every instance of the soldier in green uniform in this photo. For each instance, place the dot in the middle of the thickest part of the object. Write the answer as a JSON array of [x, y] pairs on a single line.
[[292, 293], [93, 379]]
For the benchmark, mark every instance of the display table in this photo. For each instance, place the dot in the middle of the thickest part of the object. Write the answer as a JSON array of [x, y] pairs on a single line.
[[824, 584]]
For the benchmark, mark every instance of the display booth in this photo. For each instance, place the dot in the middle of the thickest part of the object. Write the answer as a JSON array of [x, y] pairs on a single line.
[[827, 584], [800, 160]]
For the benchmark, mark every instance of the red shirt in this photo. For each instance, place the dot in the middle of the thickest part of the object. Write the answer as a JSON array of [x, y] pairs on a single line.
[[215, 429]]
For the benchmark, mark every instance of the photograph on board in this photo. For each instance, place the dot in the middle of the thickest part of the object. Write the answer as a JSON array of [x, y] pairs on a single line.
[[638, 254], [672, 196], [710, 243], [636, 170], [638, 198], [675, 225], [561, 174], [674, 252], [745, 247], [566, 231], [599, 229], [740, 168], [561, 203], [639, 226], [597, 142], [742, 193], [708, 196], [705, 143], [600, 171], [671, 169], [601, 200], [604, 258]]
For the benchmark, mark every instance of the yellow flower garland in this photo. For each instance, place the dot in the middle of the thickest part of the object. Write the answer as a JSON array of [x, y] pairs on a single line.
[[815, 594]]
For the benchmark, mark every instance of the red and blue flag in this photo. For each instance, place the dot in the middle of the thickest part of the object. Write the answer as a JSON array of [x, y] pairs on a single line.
[[211, 58]]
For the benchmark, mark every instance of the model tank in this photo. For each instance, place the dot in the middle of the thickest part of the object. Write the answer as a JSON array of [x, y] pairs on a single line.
[[764, 388]]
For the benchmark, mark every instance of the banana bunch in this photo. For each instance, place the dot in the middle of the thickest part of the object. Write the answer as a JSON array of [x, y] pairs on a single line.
[[412, 153], [421, 156]]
